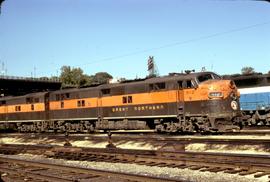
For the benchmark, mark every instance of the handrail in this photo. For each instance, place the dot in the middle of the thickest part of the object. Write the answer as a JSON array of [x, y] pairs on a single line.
[[45, 79]]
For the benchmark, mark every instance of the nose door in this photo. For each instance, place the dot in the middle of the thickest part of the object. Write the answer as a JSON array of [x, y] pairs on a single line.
[[47, 106], [6, 112], [99, 107], [180, 98]]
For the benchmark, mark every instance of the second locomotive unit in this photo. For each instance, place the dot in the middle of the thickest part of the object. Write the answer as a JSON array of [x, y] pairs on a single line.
[[194, 102]]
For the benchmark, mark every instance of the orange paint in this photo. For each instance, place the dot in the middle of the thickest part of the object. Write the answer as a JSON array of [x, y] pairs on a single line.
[[201, 93], [72, 104], [24, 108]]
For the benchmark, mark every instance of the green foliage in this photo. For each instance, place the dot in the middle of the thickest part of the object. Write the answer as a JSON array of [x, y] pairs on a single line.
[[101, 77], [55, 78], [74, 77], [247, 70]]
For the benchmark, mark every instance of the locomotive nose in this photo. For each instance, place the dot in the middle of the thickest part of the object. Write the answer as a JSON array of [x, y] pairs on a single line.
[[222, 89], [227, 90]]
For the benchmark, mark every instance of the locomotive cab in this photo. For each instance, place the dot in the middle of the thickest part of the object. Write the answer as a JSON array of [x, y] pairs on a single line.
[[214, 99]]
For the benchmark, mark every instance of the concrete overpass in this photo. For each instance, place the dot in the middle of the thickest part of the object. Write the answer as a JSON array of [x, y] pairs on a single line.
[[11, 85]]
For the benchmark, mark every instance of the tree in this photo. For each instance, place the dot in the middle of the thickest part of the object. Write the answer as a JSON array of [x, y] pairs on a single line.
[[247, 70], [74, 77], [55, 78], [102, 77], [88, 80], [77, 77]]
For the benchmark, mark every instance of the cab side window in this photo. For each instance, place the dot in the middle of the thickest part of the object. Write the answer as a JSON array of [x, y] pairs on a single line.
[[157, 86], [187, 84], [57, 97], [180, 84], [29, 100], [60, 97], [106, 91], [36, 100]]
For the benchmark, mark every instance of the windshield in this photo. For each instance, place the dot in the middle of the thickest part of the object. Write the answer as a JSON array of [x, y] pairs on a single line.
[[208, 76]]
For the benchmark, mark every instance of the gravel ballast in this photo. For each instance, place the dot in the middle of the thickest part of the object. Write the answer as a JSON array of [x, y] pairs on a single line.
[[174, 173]]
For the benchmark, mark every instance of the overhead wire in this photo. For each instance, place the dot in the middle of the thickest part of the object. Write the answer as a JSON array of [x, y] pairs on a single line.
[[177, 43]]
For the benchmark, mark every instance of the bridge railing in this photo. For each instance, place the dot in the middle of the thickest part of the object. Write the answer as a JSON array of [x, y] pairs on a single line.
[[44, 79]]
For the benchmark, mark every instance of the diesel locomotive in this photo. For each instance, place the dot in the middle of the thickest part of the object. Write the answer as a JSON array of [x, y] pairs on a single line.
[[255, 98], [194, 102]]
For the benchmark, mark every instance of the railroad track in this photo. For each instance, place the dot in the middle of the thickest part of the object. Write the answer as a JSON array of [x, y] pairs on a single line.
[[214, 162], [153, 138], [26, 170], [242, 164]]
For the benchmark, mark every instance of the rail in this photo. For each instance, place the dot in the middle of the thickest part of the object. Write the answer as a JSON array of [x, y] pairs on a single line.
[[45, 171], [242, 164]]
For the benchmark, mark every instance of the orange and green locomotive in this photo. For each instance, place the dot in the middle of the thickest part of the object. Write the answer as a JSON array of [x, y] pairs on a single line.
[[194, 102]]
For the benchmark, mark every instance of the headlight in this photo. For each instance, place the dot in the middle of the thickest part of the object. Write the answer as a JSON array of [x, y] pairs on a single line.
[[215, 94]]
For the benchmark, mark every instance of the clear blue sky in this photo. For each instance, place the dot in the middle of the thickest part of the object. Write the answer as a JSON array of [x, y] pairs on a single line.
[[118, 36]]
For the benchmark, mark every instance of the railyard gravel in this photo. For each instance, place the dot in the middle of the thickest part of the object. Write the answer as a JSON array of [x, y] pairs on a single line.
[[173, 173]]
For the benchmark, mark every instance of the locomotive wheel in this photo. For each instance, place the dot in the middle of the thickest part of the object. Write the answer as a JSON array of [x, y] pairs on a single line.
[[188, 127]]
